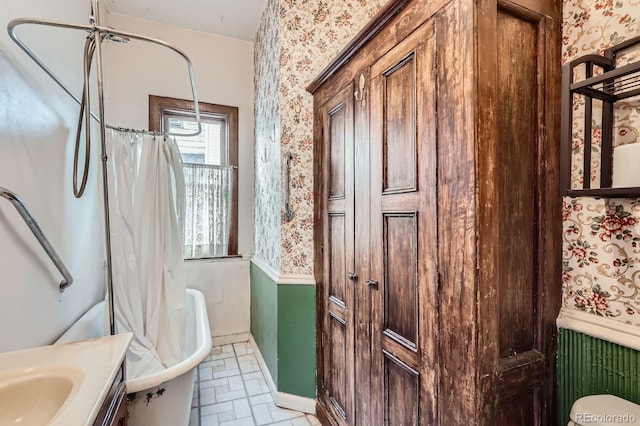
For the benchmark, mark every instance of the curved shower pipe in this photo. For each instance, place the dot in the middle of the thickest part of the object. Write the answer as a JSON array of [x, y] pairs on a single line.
[[99, 34]]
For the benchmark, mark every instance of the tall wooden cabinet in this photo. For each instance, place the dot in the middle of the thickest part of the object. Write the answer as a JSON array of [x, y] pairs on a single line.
[[438, 216]]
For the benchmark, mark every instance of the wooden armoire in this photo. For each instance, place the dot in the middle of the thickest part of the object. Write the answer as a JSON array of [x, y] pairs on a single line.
[[438, 216]]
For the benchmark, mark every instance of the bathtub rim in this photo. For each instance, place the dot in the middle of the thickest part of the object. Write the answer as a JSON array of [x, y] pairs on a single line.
[[203, 349], [202, 339]]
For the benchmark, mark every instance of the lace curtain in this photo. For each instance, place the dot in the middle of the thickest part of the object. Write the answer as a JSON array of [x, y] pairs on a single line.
[[208, 210]]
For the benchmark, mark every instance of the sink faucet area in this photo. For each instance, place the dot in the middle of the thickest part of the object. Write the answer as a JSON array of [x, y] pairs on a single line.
[[58, 385]]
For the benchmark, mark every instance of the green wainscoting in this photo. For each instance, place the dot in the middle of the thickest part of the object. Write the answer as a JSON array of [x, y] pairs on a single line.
[[264, 318], [297, 339], [588, 366], [283, 325]]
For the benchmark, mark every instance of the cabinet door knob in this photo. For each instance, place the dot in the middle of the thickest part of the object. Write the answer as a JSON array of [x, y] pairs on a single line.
[[373, 284], [353, 276]]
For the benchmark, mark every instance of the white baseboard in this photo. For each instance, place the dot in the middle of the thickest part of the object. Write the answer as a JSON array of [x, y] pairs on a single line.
[[263, 366], [230, 338], [295, 402], [282, 399]]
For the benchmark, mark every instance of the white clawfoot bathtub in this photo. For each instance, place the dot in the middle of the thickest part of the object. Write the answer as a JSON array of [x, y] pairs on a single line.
[[161, 399]]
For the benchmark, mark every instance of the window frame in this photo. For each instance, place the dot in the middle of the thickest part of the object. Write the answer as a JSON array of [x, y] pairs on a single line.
[[158, 104]]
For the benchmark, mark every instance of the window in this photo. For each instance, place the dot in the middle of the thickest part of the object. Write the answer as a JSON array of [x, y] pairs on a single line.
[[210, 169]]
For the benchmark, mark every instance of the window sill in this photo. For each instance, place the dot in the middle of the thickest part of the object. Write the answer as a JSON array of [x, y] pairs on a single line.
[[216, 259]]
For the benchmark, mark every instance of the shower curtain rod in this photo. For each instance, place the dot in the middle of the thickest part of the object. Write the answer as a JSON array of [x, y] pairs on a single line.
[[108, 34], [99, 33]]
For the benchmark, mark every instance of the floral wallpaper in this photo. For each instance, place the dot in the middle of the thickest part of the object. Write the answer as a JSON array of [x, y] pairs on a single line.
[[267, 149], [311, 33], [601, 237]]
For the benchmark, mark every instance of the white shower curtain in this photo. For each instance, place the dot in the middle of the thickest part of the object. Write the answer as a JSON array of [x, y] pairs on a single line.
[[146, 205]]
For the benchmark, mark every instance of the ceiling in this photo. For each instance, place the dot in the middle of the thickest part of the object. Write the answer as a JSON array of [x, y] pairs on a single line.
[[231, 18]]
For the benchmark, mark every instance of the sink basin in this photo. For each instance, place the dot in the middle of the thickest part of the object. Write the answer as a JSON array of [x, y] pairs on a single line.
[[35, 396], [59, 385]]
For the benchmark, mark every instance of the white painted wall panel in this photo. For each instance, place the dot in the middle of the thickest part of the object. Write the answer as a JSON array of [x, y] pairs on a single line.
[[37, 122]]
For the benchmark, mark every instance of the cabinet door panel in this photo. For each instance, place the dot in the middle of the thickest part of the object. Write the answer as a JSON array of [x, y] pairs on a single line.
[[516, 169], [403, 229], [401, 286], [399, 149], [337, 383], [402, 389], [524, 258]]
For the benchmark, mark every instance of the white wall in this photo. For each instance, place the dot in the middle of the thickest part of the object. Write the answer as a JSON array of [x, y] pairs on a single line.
[[225, 284], [37, 122], [223, 70]]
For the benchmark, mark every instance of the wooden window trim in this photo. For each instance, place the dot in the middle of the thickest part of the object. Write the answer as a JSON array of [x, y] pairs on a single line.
[[157, 104]]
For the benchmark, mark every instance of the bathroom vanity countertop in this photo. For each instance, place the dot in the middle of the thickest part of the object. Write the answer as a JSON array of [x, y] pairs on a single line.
[[91, 365]]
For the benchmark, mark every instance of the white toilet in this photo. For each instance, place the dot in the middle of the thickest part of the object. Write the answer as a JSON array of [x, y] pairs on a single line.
[[604, 410]]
